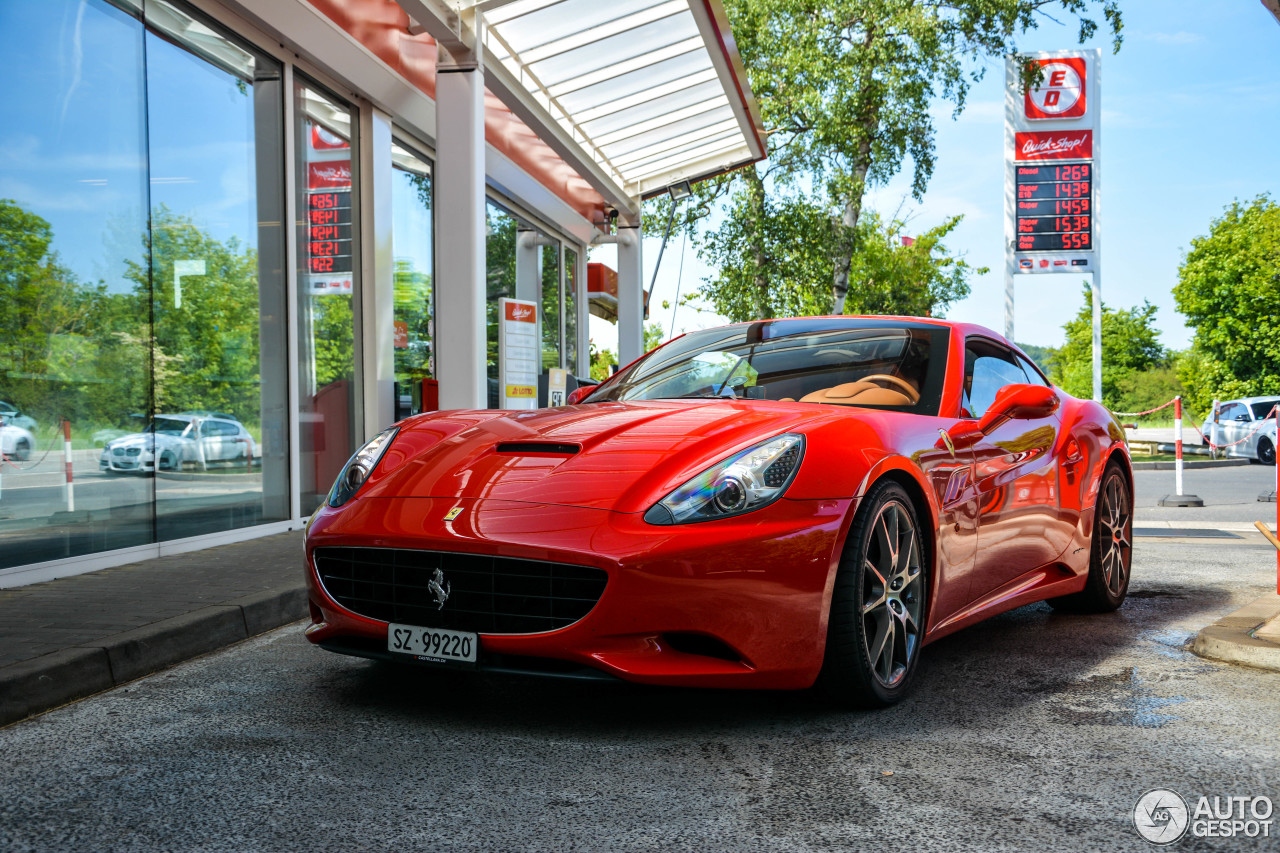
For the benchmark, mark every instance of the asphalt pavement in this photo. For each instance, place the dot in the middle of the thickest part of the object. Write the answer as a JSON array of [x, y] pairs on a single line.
[[1034, 730]]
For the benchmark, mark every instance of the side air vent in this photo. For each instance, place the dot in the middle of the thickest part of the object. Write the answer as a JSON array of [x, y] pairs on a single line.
[[538, 447]]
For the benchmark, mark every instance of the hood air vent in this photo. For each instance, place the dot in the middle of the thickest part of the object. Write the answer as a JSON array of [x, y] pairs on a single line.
[[538, 447]]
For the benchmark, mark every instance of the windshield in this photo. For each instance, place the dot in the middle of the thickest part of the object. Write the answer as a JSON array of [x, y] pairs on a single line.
[[168, 426], [873, 363], [1263, 408]]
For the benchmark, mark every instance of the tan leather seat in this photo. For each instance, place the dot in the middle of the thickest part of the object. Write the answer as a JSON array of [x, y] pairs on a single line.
[[853, 393]]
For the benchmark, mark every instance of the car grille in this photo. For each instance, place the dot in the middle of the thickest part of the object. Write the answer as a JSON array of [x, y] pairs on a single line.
[[487, 595]]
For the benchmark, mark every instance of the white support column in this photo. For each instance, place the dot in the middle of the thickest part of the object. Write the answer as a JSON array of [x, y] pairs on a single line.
[[376, 279], [460, 251], [583, 305], [630, 294]]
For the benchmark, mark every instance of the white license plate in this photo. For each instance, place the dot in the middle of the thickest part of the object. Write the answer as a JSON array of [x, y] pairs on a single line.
[[433, 645]]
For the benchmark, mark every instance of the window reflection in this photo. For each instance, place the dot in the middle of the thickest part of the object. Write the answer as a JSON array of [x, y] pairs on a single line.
[[326, 287], [571, 310], [522, 263], [412, 240], [216, 282], [73, 329]]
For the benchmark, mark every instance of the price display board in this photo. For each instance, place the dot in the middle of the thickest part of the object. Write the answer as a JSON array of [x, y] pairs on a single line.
[[1054, 207], [329, 233]]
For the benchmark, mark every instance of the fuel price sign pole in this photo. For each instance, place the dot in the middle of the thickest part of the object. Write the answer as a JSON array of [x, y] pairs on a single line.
[[1052, 150]]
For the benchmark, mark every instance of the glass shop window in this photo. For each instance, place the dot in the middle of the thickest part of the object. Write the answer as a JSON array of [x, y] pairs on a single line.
[[327, 284]]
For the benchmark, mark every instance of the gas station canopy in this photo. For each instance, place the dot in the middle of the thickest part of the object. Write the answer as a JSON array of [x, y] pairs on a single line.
[[637, 95]]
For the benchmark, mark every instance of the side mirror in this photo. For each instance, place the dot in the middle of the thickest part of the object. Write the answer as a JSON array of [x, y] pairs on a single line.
[[577, 395], [1244, 418], [1019, 402]]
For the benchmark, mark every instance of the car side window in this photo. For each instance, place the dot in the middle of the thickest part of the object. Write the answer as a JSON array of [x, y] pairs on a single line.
[[988, 368], [1230, 412], [1034, 377]]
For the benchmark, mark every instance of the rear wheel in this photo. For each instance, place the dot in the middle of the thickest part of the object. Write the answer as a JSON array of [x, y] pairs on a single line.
[[1111, 554], [22, 450], [878, 604], [1266, 452]]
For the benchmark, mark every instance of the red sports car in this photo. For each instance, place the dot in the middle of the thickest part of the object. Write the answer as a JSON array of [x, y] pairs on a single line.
[[773, 504]]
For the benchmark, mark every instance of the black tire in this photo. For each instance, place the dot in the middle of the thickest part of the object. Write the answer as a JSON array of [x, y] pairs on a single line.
[[1266, 452], [1110, 551], [878, 605], [22, 450], [168, 461]]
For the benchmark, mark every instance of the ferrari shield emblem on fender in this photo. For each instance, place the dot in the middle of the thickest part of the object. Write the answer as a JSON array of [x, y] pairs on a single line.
[[453, 513]]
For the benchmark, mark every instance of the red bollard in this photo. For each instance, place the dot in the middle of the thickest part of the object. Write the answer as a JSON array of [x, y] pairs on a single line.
[[66, 453], [1178, 498]]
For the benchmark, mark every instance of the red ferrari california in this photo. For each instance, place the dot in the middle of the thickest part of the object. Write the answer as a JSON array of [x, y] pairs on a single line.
[[775, 504]]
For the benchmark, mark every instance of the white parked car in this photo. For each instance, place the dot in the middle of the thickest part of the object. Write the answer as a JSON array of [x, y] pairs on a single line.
[[1239, 418], [170, 441], [10, 414], [15, 442]]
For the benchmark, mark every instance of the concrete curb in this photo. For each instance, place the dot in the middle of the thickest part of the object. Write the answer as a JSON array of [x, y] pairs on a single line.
[[1189, 463], [40, 684], [1234, 638]]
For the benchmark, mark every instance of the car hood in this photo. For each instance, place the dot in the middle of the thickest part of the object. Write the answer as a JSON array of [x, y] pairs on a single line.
[[615, 456], [148, 441]]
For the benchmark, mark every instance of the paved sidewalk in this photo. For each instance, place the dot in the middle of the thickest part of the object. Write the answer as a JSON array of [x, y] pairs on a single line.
[[66, 639]]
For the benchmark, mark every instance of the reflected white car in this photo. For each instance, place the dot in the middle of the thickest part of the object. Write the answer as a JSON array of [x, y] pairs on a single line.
[[15, 442], [171, 441], [9, 414], [1240, 418]]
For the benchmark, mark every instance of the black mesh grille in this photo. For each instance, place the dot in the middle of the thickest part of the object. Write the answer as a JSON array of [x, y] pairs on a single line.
[[488, 595], [777, 473]]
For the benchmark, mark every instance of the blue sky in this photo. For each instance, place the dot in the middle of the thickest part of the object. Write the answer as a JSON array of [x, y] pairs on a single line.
[[1190, 122]]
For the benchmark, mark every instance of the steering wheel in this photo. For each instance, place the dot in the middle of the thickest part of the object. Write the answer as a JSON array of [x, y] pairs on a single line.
[[903, 386]]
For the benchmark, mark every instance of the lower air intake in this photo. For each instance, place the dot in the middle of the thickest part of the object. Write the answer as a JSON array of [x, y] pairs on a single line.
[[464, 592]]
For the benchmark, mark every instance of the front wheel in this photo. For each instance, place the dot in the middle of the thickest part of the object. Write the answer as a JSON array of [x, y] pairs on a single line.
[[878, 604], [22, 450], [1266, 452], [1111, 554]]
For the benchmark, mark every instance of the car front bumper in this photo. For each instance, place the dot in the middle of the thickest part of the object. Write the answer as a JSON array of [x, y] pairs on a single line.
[[757, 585]]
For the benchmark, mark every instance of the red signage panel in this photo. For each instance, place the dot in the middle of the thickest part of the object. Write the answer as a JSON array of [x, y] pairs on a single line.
[[1053, 145], [1061, 94]]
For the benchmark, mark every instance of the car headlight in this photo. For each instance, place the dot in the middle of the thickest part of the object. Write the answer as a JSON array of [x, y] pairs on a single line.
[[744, 482], [359, 467]]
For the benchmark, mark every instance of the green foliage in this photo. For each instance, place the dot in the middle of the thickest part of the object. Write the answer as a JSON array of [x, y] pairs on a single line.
[[412, 297], [1130, 345], [1046, 358], [786, 272], [1229, 290], [773, 256], [886, 277], [213, 327], [1144, 390], [46, 314]]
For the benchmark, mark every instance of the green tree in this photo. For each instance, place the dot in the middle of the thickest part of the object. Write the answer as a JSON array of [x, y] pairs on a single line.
[[209, 322], [46, 313], [845, 89], [1229, 290], [1130, 345]]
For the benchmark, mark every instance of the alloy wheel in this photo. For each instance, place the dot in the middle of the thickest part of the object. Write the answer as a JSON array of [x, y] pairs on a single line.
[[892, 603], [1115, 535]]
